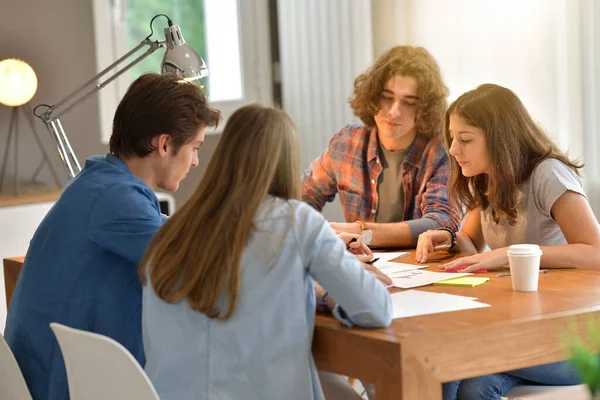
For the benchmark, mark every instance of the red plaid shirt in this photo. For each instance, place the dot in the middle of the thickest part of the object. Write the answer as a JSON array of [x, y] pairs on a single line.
[[351, 167]]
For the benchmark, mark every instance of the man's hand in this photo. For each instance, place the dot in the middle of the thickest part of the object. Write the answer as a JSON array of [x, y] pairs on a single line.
[[356, 246]]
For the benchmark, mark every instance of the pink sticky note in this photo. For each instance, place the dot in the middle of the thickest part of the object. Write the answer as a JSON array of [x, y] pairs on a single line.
[[462, 267]]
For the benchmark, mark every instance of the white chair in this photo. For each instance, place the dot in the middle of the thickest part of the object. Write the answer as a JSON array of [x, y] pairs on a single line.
[[100, 368], [12, 383], [541, 392]]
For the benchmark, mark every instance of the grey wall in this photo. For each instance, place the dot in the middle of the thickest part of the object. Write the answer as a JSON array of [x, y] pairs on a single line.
[[57, 39]]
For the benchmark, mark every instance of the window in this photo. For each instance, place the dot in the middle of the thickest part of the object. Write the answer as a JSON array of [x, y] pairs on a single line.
[[235, 49]]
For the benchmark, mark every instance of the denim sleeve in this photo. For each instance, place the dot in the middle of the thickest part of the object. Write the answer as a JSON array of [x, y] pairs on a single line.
[[362, 299], [124, 220]]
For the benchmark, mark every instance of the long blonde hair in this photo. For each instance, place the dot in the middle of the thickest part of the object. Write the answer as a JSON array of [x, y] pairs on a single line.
[[196, 255]]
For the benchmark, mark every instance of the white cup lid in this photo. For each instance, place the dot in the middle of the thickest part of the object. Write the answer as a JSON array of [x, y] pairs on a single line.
[[524, 250]]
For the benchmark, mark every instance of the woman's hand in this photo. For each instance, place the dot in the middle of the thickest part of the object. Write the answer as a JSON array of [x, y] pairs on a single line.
[[356, 247], [349, 227], [386, 280], [428, 240], [330, 301], [488, 260]]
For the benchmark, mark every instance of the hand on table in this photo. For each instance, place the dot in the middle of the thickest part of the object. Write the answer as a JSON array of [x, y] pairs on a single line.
[[386, 280], [427, 242], [488, 260]]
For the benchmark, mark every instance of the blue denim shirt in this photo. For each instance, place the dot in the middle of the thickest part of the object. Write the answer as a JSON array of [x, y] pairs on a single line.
[[81, 271], [264, 350]]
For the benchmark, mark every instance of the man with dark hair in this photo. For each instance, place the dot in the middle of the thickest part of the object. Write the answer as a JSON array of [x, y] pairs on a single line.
[[81, 267]]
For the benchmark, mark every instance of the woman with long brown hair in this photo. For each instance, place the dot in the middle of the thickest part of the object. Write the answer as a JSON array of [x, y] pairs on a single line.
[[229, 300], [518, 187]]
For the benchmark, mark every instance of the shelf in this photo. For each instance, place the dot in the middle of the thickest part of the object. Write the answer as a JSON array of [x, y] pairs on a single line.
[[29, 195]]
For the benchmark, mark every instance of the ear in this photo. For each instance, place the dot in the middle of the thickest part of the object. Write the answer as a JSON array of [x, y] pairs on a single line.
[[162, 144]]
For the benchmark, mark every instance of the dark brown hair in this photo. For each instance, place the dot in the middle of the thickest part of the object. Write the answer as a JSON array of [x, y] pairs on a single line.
[[515, 145], [410, 61], [155, 104], [196, 255]]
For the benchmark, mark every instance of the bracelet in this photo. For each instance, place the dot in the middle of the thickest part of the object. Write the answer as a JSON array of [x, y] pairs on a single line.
[[323, 302], [451, 231]]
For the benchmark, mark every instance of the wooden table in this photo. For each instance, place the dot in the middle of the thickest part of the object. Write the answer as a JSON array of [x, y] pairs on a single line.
[[12, 268], [410, 359]]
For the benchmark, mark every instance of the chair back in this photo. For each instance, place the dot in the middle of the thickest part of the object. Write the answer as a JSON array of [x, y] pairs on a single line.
[[12, 383], [99, 367]]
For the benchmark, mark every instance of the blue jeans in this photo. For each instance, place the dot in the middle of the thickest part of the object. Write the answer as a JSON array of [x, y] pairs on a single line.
[[496, 385]]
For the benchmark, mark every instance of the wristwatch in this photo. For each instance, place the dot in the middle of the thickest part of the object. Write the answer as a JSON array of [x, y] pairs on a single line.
[[366, 233]]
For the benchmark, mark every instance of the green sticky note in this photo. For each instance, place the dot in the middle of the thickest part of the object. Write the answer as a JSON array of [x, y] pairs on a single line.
[[468, 281]]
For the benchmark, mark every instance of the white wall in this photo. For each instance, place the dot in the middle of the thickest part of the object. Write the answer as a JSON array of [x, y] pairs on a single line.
[[324, 45], [512, 43], [546, 51], [18, 226]]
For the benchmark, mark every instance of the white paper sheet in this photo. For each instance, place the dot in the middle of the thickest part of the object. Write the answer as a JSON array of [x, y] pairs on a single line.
[[412, 303], [391, 268], [415, 278], [454, 295], [390, 256]]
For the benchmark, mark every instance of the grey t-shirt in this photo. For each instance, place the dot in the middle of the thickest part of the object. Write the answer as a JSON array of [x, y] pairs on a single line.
[[390, 187], [535, 224]]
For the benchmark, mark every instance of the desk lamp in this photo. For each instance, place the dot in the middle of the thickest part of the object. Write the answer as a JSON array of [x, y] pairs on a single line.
[[179, 59]]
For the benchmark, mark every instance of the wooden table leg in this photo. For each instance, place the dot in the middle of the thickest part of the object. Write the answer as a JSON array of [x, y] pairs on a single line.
[[387, 389], [418, 382]]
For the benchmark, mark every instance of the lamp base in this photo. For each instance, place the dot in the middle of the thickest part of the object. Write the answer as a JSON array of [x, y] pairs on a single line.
[[13, 131]]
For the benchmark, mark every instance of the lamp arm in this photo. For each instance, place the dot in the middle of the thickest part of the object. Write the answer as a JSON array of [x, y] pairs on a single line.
[[51, 117]]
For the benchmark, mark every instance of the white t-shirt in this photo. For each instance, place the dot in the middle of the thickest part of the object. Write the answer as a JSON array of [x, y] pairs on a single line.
[[535, 224]]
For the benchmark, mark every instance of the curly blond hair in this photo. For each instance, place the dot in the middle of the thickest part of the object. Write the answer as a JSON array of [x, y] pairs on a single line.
[[410, 61]]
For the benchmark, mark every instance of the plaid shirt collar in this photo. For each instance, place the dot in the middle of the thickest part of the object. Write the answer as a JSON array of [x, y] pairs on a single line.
[[414, 155]]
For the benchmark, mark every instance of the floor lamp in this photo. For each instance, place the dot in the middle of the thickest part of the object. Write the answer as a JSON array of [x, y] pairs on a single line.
[[18, 84]]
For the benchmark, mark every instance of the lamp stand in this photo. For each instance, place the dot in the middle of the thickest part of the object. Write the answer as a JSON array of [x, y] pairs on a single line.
[[13, 128]]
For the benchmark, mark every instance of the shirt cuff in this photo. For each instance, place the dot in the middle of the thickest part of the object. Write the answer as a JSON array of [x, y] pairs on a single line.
[[339, 313], [418, 226]]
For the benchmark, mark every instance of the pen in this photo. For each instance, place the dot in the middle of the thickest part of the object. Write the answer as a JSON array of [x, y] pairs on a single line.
[[542, 271], [441, 247], [372, 261]]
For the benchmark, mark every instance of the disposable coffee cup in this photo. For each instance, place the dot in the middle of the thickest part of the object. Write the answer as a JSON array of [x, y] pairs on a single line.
[[524, 260]]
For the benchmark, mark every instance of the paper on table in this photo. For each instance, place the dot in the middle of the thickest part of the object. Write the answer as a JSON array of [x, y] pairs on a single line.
[[412, 303], [414, 278], [385, 256], [390, 268], [448, 295]]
